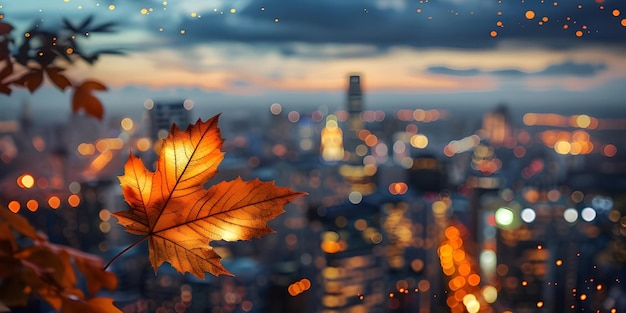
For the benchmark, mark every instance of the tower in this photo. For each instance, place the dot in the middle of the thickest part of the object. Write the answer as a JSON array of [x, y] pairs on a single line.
[[355, 95], [355, 123]]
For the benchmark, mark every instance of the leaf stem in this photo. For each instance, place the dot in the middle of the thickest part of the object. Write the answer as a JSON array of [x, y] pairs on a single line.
[[124, 251]]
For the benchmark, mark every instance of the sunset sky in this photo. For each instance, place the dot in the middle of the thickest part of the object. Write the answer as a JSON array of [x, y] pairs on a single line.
[[300, 52]]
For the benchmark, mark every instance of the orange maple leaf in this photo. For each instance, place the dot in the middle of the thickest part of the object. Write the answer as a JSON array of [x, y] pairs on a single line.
[[179, 217]]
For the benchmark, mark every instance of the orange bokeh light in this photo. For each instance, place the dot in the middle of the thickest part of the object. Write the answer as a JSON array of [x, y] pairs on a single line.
[[609, 150], [26, 181], [32, 205], [399, 188], [54, 202], [14, 206], [73, 200], [473, 280]]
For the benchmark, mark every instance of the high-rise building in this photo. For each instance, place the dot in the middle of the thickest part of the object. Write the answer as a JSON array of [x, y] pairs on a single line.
[[497, 126], [331, 146], [355, 95], [164, 114], [359, 177], [355, 123]]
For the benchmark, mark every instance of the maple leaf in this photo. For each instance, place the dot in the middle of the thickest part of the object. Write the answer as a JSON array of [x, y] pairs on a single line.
[[90, 266], [59, 80], [93, 305], [47, 270], [179, 217], [83, 99], [18, 223], [31, 80]]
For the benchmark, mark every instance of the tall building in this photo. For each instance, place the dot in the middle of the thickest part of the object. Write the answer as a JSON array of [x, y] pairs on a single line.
[[360, 178], [164, 114], [354, 274], [497, 126], [355, 123], [355, 95], [331, 146]]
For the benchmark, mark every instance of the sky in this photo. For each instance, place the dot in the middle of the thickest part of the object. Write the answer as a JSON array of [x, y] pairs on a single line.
[[299, 53]]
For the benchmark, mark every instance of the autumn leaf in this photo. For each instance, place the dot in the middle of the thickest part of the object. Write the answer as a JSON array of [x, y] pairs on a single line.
[[59, 80], [179, 217], [83, 99], [18, 223], [31, 80], [5, 28], [48, 270], [6, 71], [90, 266], [93, 305]]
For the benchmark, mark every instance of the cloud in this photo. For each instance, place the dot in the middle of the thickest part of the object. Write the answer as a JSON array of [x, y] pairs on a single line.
[[567, 68], [464, 24], [570, 68], [453, 24], [454, 72]]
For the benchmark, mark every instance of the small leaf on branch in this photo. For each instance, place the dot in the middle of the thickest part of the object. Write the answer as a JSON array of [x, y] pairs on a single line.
[[179, 218], [91, 267], [93, 305], [58, 79], [31, 80], [18, 223], [84, 100], [5, 29]]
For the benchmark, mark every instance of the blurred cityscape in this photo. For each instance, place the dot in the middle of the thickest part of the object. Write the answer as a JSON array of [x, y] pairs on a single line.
[[410, 210]]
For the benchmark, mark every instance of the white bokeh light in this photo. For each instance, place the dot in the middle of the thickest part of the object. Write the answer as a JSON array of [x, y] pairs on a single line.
[[355, 197], [588, 214], [528, 215], [570, 215]]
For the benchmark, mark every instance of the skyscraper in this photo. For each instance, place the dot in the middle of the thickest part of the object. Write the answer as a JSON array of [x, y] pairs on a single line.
[[360, 178], [164, 114], [355, 123], [355, 95]]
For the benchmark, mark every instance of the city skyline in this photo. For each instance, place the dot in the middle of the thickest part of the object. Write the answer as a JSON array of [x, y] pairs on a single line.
[[513, 216]]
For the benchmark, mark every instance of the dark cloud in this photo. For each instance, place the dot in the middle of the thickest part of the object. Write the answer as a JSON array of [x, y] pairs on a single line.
[[463, 24], [508, 72], [454, 72], [439, 24], [573, 69], [567, 68]]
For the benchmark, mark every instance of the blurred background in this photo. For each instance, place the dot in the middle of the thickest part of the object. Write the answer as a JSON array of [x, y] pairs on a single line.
[[459, 156]]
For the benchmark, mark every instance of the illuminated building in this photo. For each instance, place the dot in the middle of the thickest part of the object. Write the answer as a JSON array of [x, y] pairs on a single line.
[[164, 114], [355, 123], [332, 141], [360, 177], [354, 275], [497, 126]]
